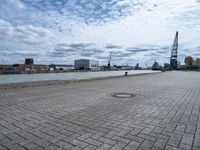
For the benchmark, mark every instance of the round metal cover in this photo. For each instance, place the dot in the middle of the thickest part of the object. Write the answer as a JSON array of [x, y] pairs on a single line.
[[123, 95]]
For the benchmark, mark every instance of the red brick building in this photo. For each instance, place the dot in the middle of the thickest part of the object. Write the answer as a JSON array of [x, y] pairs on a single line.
[[27, 67]]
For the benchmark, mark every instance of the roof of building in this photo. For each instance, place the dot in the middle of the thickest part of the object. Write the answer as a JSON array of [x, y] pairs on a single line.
[[60, 65]]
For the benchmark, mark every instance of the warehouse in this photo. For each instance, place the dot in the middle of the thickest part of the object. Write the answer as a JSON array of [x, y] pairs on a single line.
[[86, 64]]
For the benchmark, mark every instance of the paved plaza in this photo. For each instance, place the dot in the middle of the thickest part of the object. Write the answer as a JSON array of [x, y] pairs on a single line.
[[162, 114]]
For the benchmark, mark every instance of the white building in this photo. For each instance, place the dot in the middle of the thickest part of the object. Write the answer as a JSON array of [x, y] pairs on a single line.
[[86, 64], [128, 68], [61, 67]]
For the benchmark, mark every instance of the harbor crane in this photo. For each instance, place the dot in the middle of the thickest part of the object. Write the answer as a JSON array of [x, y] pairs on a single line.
[[174, 53], [109, 60]]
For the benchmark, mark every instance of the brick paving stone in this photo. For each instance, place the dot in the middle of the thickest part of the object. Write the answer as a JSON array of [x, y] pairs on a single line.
[[118, 146], [71, 137], [15, 137], [164, 114], [146, 145], [134, 138], [75, 148], [9, 145], [110, 134], [97, 135], [93, 142], [13, 145], [185, 146], [104, 147], [85, 136], [147, 137], [123, 133], [147, 130], [175, 140], [4, 139], [187, 139], [121, 139], [156, 148], [107, 141], [195, 148], [158, 129], [17, 147], [90, 147], [57, 138], [52, 147], [79, 143], [197, 141], [135, 131], [43, 143], [64, 145], [33, 146], [160, 143], [160, 136], [2, 148], [132, 146], [172, 148]]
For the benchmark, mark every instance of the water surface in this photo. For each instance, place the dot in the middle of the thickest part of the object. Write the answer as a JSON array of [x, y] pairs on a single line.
[[66, 76]]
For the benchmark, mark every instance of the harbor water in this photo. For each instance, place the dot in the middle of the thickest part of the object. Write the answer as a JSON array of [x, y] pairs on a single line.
[[17, 78]]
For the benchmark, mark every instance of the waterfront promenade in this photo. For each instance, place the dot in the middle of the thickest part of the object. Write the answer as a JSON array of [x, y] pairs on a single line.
[[162, 114]]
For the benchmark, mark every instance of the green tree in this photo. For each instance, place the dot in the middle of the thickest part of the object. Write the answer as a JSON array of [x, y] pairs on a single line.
[[188, 61]]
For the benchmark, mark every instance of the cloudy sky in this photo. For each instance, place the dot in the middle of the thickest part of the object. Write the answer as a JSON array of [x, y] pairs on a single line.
[[59, 31]]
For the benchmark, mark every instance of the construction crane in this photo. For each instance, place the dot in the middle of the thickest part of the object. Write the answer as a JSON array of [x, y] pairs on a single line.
[[174, 53], [109, 60]]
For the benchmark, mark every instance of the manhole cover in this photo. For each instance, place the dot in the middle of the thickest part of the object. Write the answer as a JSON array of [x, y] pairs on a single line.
[[123, 95]]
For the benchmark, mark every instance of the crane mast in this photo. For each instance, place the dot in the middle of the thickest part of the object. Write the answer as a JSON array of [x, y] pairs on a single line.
[[174, 53], [109, 60]]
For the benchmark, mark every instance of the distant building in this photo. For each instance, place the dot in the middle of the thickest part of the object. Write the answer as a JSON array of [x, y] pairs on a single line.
[[196, 62], [156, 66], [137, 67], [36, 68], [29, 61], [54, 67], [105, 68], [86, 64], [114, 67], [27, 67], [127, 67], [5, 69], [167, 66]]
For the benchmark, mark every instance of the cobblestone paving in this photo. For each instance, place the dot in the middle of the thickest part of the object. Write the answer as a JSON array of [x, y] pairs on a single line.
[[164, 114]]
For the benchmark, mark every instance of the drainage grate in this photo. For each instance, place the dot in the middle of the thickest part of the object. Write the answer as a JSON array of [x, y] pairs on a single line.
[[123, 95]]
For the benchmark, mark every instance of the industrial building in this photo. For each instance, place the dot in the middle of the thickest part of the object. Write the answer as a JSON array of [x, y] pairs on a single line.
[[196, 63], [55, 67], [5, 68], [86, 64], [29, 61], [35, 68], [27, 67], [156, 66]]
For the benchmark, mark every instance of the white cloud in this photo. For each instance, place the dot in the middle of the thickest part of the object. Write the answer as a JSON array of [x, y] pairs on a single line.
[[16, 3], [25, 38], [39, 26]]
